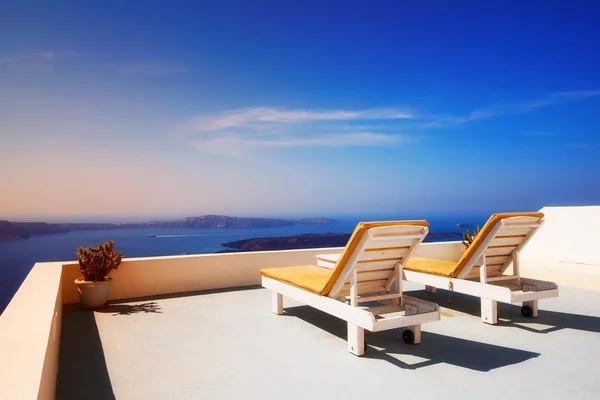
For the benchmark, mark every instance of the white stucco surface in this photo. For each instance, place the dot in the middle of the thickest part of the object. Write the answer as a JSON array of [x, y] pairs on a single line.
[[569, 235], [228, 345]]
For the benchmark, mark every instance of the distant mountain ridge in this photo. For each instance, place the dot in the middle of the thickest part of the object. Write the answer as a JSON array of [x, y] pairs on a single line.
[[23, 230]]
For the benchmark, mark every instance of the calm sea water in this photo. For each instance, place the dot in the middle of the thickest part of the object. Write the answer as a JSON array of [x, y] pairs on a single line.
[[17, 257]]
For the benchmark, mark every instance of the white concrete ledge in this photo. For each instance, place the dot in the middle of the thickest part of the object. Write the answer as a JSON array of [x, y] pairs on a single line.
[[30, 325], [30, 336], [141, 277], [451, 251]]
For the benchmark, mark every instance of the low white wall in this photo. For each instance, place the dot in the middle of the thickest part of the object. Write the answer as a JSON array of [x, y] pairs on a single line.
[[450, 251], [139, 277], [30, 336], [569, 235], [565, 249], [30, 325]]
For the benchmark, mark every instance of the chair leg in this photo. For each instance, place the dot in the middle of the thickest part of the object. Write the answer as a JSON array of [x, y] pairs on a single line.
[[415, 338], [430, 289], [534, 307], [489, 311], [356, 339], [277, 303], [416, 330]]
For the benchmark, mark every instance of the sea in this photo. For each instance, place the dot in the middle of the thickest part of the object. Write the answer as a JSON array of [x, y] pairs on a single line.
[[18, 256]]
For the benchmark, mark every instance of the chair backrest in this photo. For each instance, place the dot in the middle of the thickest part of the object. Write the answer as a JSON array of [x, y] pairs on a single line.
[[501, 235], [373, 250]]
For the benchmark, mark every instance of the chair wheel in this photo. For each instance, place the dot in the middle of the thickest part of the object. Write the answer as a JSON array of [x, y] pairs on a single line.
[[527, 311], [408, 336]]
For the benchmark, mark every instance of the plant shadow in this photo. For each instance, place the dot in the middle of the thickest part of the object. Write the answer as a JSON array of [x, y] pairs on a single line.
[[129, 309], [177, 295], [510, 314], [82, 371], [388, 346]]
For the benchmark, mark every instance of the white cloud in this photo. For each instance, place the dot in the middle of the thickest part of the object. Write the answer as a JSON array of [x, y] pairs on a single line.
[[531, 105], [27, 56], [236, 133], [266, 116], [579, 94], [537, 133], [584, 145], [147, 68], [507, 108], [234, 146]]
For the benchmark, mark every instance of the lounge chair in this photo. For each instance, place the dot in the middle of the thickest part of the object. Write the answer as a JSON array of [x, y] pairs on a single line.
[[480, 270], [369, 270]]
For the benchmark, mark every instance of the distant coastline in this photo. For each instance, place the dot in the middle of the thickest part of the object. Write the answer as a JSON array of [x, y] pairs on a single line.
[[311, 241], [23, 230]]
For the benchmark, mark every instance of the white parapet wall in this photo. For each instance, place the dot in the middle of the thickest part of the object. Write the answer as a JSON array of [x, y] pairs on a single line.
[[566, 249], [30, 336], [151, 276], [30, 326], [569, 235]]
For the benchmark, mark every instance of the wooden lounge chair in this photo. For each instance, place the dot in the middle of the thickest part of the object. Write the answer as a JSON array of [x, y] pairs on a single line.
[[368, 272], [480, 270]]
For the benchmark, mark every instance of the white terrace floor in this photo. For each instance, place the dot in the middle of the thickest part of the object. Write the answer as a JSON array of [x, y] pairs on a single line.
[[228, 345]]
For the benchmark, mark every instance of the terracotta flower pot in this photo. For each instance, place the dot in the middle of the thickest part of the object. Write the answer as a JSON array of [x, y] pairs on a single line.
[[93, 295]]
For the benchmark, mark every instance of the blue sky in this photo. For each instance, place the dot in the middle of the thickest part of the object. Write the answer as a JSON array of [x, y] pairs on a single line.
[[120, 109]]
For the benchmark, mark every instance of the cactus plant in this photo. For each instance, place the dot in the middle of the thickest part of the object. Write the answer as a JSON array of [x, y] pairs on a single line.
[[469, 237], [96, 262]]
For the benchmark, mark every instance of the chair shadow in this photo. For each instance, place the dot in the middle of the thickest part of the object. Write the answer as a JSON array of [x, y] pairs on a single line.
[[129, 309], [436, 348], [510, 314], [82, 371]]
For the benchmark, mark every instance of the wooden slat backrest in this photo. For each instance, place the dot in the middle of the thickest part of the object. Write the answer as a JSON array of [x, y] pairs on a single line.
[[376, 254], [501, 236]]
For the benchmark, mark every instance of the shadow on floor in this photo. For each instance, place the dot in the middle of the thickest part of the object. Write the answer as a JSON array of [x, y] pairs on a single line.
[[184, 294], [128, 309], [82, 372], [434, 350], [510, 314]]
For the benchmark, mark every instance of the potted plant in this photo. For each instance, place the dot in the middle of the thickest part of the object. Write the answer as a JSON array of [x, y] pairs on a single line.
[[95, 263], [469, 237]]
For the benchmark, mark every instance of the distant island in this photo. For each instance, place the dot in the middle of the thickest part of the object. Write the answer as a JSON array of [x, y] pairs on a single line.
[[312, 241], [23, 230]]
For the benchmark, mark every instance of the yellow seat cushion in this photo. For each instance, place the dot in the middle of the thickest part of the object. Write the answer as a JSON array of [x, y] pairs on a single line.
[[431, 266], [452, 269], [321, 280], [309, 277]]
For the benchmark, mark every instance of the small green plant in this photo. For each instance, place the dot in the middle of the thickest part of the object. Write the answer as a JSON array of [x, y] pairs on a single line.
[[469, 237], [96, 262]]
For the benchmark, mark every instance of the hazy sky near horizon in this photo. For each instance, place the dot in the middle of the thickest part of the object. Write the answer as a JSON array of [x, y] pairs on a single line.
[[127, 109]]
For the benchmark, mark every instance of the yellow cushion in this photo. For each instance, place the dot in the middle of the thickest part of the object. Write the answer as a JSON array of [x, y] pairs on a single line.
[[309, 277], [321, 280], [452, 269], [431, 266]]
